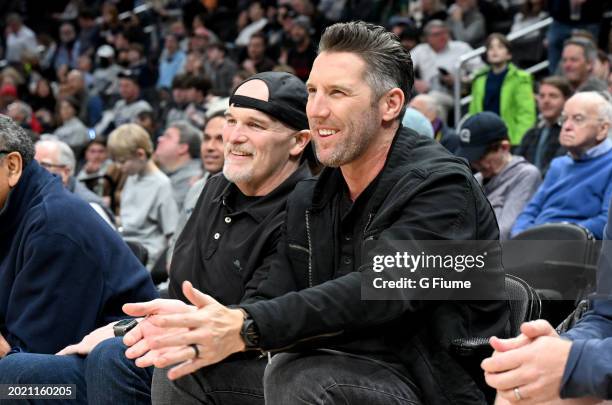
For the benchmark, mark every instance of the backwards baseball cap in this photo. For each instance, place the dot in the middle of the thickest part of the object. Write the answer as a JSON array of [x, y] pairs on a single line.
[[287, 97], [128, 74], [478, 132]]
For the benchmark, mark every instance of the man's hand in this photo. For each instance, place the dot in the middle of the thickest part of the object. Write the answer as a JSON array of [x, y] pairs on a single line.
[[138, 338], [5, 348], [533, 362], [214, 328], [85, 346]]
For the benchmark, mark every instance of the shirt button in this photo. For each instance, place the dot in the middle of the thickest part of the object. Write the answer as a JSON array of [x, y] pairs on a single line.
[[347, 260], [217, 235], [228, 220]]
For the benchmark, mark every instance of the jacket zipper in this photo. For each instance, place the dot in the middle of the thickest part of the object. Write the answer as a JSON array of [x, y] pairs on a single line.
[[309, 248], [365, 229]]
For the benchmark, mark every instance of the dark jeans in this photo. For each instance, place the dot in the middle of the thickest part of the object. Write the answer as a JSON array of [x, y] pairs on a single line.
[[317, 377], [105, 376]]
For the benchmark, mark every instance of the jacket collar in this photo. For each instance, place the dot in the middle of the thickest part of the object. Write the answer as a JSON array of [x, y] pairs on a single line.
[[261, 208], [27, 193]]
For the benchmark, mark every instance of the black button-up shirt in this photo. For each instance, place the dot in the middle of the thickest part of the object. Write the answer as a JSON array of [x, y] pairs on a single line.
[[228, 238]]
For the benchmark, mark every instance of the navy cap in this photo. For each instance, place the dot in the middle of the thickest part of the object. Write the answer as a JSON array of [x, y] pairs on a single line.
[[478, 132], [287, 97]]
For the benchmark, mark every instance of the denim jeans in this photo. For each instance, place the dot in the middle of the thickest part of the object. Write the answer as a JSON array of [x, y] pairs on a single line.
[[105, 376], [315, 377]]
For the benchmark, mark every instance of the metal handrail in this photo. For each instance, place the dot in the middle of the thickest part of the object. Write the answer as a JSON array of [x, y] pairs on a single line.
[[457, 100]]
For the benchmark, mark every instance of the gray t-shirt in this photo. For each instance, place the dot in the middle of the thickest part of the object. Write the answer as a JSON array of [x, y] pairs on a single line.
[[148, 212], [182, 179], [510, 190]]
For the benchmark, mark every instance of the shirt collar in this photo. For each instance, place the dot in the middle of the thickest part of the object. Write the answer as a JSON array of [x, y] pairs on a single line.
[[596, 150]]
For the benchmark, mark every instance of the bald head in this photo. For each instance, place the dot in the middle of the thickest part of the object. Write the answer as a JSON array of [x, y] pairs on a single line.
[[426, 105]]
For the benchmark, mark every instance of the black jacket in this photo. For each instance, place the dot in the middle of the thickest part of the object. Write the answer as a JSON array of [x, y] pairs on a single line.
[[423, 193], [529, 144]]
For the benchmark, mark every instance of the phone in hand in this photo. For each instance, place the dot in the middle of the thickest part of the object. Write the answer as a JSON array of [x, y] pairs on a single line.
[[443, 71]]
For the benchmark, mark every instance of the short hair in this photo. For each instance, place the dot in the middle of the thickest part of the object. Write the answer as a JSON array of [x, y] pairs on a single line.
[[435, 24], [190, 135], [388, 63], [561, 83], [180, 81], [13, 138], [146, 114], [261, 35], [588, 47], [501, 38], [200, 83], [24, 109], [127, 139], [65, 154]]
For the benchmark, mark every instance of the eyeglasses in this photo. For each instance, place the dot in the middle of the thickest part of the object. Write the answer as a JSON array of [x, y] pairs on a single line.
[[48, 165], [577, 119]]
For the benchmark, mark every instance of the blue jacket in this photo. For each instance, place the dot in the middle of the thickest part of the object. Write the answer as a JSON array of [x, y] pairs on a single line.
[[575, 191], [63, 270], [588, 371]]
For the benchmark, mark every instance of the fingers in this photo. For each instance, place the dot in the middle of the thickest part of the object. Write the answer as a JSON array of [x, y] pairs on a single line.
[[176, 356], [185, 368], [133, 336], [139, 308], [538, 328], [191, 320], [178, 339], [503, 361], [503, 345], [137, 349], [72, 349], [509, 379], [196, 297]]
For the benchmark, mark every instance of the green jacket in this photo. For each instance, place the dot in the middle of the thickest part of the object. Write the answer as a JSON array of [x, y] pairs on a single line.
[[516, 104]]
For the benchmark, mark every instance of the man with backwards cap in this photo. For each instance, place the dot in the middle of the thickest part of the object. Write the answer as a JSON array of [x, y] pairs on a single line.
[[508, 180], [223, 248]]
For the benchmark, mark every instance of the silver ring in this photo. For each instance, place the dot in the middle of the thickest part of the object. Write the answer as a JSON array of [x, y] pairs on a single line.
[[517, 394], [197, 351]]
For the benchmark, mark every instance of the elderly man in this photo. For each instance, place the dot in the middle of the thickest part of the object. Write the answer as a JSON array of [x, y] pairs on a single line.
[[227, 240], [539, 367], [577, 62], [577, 187], [63, 271], [57, 157], [90, 105], [345, 350], [178, 152], [428, 106]]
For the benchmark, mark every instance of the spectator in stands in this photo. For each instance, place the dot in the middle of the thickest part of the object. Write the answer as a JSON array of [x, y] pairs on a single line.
[[466, 22], [170, 62], [128, 107], [42, 97], [442, 133], [94, 170], [178, 153], [434, 62], [303, 53], [601, 67], [255, 15], [256, 60], [69, 48], [538, 366], [220, 69], [194, 64], [89, 31], [57, 157], [577, 62], [72, 131], [211, 153], [180, 99], [138, 64], [541, 143], [148, 210], [248, 210], [531, 12], [370, 189], [200, 40], [508, 181], [578, 187], [432, 10], [21, 113], [53, 245], [19, 39], [569, 16], [90, 105], [197, 91], [106, 73], [149, 121], [503, 89]]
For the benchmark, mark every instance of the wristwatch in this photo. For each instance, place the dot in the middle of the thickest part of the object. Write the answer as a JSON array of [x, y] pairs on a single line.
[[124, 326], [249, 332]]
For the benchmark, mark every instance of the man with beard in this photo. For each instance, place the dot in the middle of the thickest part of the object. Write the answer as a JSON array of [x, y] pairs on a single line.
[[383, 182], [303, 53]]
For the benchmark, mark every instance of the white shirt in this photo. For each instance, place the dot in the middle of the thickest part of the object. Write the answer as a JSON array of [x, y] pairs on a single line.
[[19, 42], [426, 61]]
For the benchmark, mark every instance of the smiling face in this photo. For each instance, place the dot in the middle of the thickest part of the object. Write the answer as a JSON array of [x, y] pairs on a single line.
[[260, 152], [550, 102], [342, 114], [212, 149], [576, 67]]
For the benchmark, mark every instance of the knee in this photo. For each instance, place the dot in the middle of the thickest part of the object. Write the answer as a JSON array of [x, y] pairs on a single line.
[[29, 368], [108, 353], [290, 379]]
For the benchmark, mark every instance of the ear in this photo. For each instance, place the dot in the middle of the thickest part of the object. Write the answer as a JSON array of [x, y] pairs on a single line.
[[141, 154], [14, 164], [392, 103], [604, 129], [301, 139], [183, 148]]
